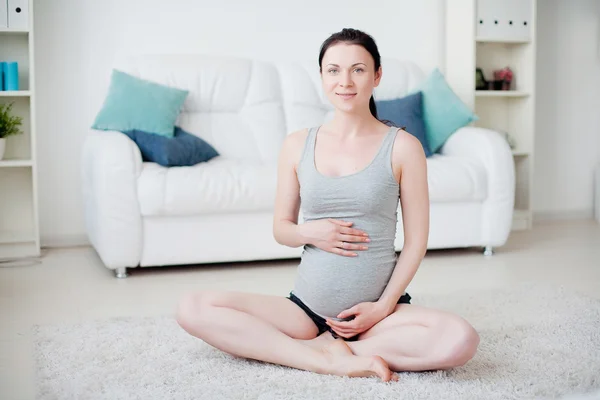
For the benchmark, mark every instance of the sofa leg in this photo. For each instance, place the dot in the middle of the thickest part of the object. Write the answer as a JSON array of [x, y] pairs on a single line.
[[488, 251], [121, 273]]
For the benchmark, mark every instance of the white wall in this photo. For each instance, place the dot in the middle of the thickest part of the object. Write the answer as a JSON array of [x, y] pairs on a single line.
[[568, 113], [77, 42]]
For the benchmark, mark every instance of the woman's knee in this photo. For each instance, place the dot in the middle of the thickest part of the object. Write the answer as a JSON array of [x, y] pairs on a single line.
[[193, 309], [462, 341]]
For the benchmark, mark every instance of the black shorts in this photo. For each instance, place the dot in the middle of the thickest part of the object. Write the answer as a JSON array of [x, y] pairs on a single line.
[[320, 321]]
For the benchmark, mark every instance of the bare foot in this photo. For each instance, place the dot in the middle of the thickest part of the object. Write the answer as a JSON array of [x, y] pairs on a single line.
[[344, 363]]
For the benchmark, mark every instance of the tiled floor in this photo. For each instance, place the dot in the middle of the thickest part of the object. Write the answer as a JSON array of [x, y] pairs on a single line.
[[70, 285]]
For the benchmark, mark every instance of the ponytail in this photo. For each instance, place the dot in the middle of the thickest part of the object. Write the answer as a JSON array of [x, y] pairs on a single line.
[[373, 107]]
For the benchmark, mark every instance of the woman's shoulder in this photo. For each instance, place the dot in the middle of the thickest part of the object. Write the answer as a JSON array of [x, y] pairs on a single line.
[[407, 151], [297, 136], [293, 146], [406, 143], [295, 140]]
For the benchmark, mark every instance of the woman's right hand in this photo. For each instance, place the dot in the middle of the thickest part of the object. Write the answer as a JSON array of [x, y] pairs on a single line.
[[334, 236]]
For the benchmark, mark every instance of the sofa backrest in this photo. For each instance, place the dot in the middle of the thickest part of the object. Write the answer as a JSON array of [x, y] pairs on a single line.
[[245, 107]]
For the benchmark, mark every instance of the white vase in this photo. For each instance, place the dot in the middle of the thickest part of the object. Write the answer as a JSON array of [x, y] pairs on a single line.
[[2, 147]]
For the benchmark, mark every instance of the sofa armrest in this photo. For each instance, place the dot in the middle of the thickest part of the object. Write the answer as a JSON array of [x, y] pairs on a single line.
[[112, 164], [490, 149]]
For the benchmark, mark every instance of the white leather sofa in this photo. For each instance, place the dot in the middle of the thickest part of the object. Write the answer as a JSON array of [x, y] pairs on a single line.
[[141, 214]]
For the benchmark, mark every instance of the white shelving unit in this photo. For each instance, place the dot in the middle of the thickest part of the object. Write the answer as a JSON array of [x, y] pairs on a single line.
[[19, 226], [491, 35]]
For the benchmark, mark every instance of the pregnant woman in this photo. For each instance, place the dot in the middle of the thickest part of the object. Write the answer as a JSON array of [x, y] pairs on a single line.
[[348, 313]]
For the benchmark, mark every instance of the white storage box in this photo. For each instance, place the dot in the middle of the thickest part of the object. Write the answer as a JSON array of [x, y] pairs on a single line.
[[504, 20]]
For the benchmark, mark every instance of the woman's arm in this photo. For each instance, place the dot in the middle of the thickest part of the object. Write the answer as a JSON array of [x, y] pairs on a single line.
[[287, 199], [409, 160], [334, 236]]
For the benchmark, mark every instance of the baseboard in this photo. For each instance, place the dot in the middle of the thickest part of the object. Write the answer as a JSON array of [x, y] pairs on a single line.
[[539, 216], [76, 240]]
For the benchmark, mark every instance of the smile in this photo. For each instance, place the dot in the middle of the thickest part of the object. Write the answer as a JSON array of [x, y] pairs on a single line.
[[346, 96]]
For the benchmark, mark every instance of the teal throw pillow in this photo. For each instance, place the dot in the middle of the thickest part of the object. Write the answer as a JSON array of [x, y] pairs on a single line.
[[137, 104], [443, 111]]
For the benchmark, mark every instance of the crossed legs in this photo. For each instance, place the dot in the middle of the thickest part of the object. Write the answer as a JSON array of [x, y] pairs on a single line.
[[275, 330]]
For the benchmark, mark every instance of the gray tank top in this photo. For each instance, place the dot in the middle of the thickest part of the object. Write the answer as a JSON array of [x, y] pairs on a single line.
[[329, 283]]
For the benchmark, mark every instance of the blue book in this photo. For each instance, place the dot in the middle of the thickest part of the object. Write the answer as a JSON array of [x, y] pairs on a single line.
[[11, 80], [2, 75]]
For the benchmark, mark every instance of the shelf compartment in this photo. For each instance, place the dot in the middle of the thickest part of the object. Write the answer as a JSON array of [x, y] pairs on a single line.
[[19, 147], [16, 48], [17, 223], [510, 115], [491, 56]]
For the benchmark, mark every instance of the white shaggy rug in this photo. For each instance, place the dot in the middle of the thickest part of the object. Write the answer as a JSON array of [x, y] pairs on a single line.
[[536, 343]]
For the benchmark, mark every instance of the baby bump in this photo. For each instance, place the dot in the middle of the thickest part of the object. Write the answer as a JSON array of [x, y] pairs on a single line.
[[329, 283]]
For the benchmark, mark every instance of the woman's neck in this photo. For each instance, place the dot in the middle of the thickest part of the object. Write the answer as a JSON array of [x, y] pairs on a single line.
[[350, 125]]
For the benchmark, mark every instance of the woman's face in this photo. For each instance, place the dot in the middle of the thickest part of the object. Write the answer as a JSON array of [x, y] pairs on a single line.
[[348, 76]]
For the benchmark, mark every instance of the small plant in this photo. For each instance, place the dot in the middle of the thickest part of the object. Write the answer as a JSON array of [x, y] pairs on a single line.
[[9, 124]]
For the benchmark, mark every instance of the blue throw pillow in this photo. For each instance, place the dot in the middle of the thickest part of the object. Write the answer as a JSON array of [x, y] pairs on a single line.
[[443, 111], [406, 112], [181, 150], [134, 103]]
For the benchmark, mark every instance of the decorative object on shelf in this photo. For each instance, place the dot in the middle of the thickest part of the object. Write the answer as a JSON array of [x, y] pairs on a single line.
[[10, 75], [512, 143], [480, 82], [503, 79], [9, 125]]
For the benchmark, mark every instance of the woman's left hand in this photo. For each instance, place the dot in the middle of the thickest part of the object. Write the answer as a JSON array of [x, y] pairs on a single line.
[[366, 315]]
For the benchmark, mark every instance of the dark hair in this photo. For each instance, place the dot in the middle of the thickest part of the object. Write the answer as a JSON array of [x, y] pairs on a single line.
[[354, 36]]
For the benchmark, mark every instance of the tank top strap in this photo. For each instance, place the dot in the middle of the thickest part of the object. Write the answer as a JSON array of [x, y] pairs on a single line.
[[387, 146], [309, 146]]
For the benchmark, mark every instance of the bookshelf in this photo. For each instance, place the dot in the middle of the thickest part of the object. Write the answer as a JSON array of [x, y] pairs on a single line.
[[491, 35], [19, 226]]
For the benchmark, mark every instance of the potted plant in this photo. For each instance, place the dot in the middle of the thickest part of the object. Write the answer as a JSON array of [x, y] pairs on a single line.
[[9, 125]]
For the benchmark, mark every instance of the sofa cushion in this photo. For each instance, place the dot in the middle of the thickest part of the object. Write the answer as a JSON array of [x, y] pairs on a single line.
[[453, 179], [182, 150], [406, 112], [134, 103], [224, 185], [444, 112], [220, 185]]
